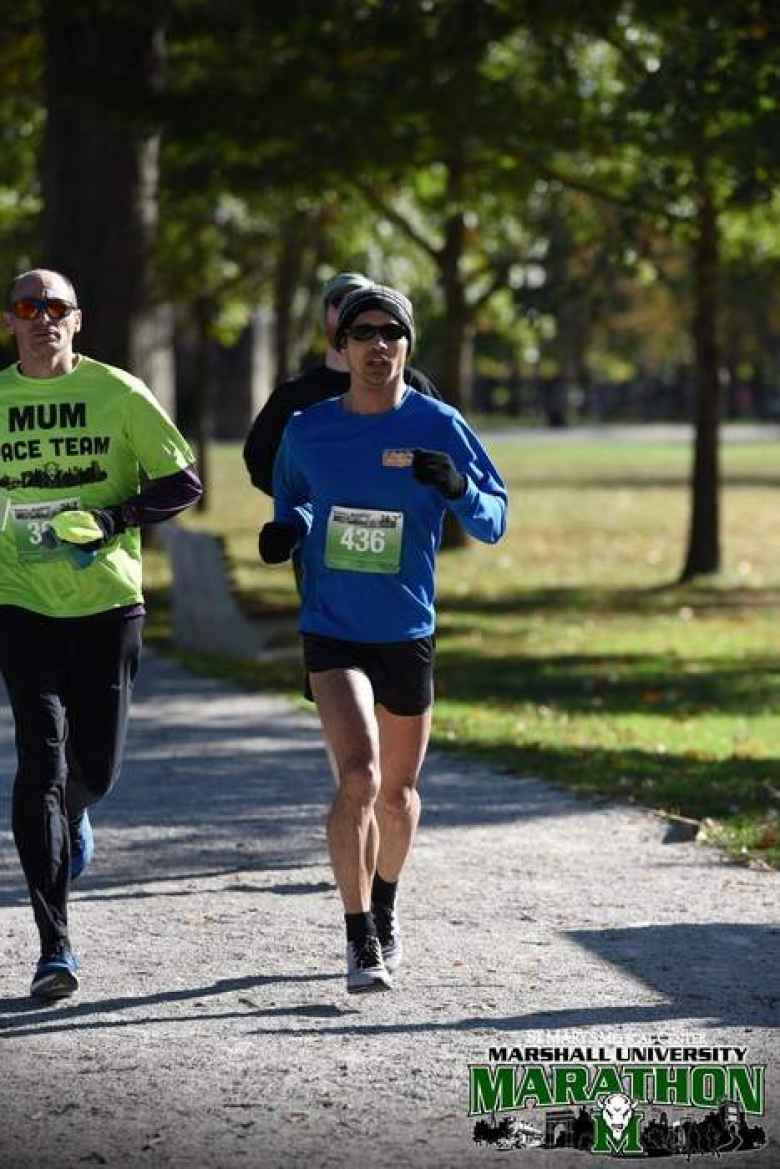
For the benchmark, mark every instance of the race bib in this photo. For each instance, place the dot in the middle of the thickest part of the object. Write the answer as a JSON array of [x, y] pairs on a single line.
[[34, 537], [362, 540]]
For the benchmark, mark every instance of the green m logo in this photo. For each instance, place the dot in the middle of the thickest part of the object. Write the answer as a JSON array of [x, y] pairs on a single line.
[[617, 1127]]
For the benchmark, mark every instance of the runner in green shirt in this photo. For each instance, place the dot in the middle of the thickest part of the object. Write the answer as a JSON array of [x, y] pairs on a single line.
[[87, 455]]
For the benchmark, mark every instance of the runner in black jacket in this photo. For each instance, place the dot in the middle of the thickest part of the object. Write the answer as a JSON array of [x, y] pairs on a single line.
[[313, 385]]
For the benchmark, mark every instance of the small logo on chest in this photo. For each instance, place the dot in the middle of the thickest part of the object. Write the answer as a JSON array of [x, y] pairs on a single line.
[[397, 458]]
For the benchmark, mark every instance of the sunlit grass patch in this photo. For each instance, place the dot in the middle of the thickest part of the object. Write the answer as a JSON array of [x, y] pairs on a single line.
[[569, 653]]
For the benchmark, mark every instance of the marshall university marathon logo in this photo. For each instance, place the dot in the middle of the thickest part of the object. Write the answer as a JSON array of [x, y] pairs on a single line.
[[622, 1101]]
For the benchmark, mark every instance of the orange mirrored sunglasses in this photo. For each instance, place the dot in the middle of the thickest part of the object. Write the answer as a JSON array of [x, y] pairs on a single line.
[[29, 308]]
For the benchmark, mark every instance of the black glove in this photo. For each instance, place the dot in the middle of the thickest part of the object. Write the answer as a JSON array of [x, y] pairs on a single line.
[[437, 469], [276, 542], [111, 521]]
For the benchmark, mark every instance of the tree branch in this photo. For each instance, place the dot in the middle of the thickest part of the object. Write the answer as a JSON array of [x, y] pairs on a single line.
[[603, 194], [492, 265], [499, 280], [372, 196]]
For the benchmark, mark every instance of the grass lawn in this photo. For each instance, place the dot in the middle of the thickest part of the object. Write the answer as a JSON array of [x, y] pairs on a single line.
[[567, 652]]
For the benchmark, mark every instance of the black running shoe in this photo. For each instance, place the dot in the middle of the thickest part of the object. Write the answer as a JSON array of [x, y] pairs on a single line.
[[366, 970], [389, 934]]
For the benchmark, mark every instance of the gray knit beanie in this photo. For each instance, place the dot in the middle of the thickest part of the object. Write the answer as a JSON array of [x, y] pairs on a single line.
[[341, 285], [378, 296]]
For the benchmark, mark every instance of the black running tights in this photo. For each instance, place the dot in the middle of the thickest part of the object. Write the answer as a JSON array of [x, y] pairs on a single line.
[[70, 682]]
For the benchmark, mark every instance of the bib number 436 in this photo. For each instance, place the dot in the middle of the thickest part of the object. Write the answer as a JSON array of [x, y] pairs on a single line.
[[363, 539]]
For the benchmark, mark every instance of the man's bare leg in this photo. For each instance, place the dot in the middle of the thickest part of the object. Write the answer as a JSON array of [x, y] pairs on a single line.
[[372, 842], [403, 742], [345, 702]]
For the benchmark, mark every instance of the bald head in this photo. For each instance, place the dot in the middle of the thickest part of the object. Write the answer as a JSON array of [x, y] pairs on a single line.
[[39, 280], [44, 339]]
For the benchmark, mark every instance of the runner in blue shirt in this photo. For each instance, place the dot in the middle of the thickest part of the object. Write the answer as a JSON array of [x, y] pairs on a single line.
[[361, 485]]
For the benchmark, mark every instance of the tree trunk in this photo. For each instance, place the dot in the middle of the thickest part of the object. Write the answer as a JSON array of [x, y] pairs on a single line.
[[202, 398], [704, 534], [102, 72], [457, 360], [457, 363], [287, 277]]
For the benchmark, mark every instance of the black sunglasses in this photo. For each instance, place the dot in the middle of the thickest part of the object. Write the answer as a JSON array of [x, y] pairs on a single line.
[[391, 332], [29, 308]]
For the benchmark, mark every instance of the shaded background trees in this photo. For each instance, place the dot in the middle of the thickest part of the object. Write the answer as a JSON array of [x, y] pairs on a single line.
[[103, 76], [703, 119], [581, 204]]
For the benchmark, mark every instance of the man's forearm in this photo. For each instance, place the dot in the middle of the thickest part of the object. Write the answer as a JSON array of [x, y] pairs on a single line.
[[162, 499]]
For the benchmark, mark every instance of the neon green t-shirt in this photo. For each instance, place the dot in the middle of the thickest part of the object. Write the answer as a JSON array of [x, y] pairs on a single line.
[[76, 441]]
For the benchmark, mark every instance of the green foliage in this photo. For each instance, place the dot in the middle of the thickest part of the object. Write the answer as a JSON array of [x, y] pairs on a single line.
[[427, 125], [567, 138], [21, 130], [699, 87]]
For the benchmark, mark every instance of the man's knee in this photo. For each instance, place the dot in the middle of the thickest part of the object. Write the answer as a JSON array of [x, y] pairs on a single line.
[[95, 775], [359, 782], [401, 799], [41, 767]]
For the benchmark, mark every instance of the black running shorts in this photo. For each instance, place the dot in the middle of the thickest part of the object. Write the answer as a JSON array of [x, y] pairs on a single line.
[[400, 672]]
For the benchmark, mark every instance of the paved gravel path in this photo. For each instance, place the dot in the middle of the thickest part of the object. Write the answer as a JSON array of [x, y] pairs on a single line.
[[212, 1029]]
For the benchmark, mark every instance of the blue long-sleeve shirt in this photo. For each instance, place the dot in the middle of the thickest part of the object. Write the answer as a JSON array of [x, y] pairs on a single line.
[[369, 531]]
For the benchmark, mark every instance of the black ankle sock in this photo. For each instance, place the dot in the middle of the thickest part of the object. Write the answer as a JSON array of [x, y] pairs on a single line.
[[383, 892], [359, 926]]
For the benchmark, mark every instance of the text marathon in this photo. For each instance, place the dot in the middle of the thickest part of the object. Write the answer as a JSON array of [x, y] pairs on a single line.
[[508, 1087]]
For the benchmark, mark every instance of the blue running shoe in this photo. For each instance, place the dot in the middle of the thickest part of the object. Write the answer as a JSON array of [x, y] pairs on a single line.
[[82, 845], [56, 975]]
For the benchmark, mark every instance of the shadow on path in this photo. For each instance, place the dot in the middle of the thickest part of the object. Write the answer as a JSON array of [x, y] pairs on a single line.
[[19, 1016], [724, 973], [219, 781]]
